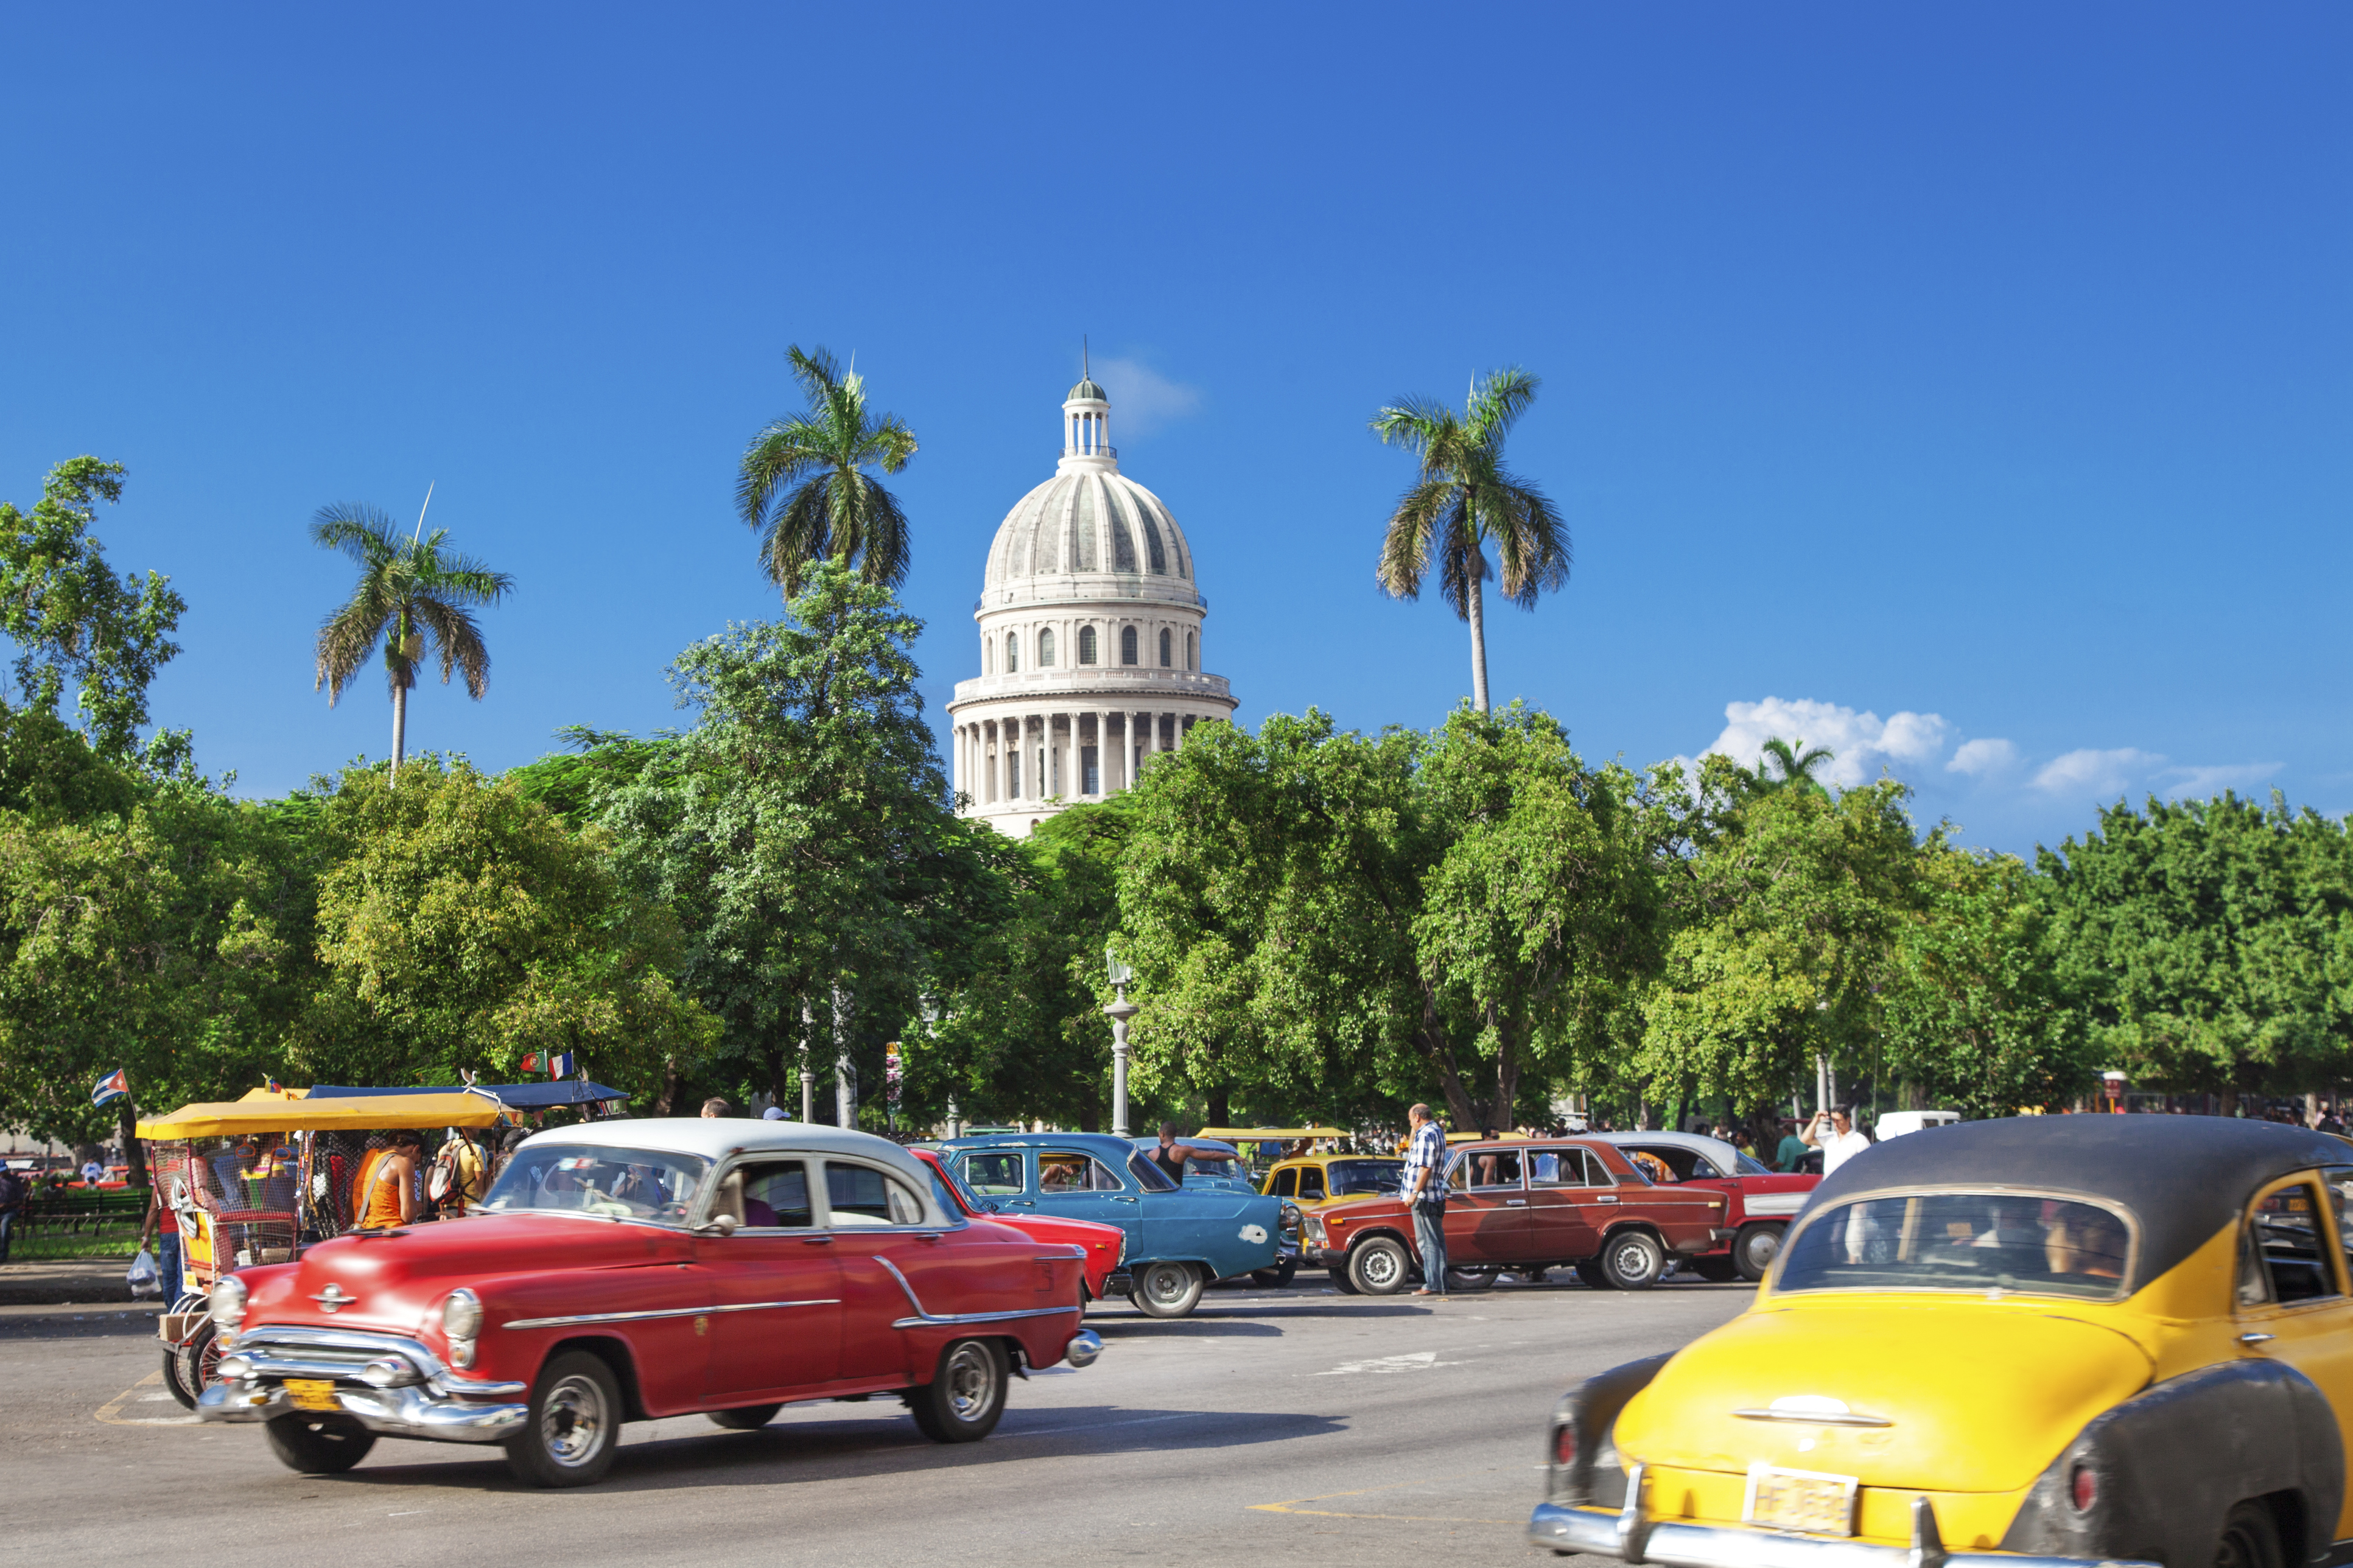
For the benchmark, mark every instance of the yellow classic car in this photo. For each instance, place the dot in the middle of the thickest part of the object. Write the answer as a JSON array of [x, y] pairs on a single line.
[[1312, 1181], [2073, 1340]]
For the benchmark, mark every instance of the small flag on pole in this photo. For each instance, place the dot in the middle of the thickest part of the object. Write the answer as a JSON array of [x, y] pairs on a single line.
[[559, 1064], [530, 1062], [112, 1087]]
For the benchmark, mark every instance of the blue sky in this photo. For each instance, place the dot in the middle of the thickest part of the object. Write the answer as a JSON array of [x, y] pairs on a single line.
[[1966, 387]]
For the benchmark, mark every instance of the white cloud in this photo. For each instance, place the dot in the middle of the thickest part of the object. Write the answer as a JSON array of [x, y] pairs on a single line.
[[2210, 781], [1142, 399], [1981, 758], [1861, 742], [2090, 771]]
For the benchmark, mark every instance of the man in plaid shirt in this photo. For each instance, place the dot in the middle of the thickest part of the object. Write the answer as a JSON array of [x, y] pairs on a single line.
[[1425, 1190]]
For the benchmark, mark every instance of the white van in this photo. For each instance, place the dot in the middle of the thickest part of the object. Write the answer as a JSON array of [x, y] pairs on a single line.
[[1895, 1123]]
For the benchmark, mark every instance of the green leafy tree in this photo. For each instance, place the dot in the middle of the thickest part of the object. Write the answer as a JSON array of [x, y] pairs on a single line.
[[2209, 944], [75, 623], [1463, 499], [413, 597], [803, 487], [463, 927]]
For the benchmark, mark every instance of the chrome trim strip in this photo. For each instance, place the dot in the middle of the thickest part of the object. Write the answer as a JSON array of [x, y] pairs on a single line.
[[1678, 1543], [1815, 1418], [924, 1319], [578, 1318]]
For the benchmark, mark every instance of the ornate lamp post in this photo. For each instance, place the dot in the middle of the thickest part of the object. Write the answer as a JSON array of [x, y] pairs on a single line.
[[1121, 1010]]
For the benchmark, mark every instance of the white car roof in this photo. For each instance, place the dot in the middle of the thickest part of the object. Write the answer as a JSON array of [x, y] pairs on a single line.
[[716, 1137], [1723, 1154]]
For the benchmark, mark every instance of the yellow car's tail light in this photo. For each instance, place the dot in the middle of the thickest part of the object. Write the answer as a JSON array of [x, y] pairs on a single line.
[[1564, 1444], [2084, 1488]]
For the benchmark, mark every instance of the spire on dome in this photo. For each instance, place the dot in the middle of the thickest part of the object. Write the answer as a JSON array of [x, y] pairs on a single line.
[[1086, 391], [1086, 416]]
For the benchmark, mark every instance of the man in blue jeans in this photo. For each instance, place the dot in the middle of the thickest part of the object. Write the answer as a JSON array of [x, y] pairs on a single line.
[[1425, 1191]]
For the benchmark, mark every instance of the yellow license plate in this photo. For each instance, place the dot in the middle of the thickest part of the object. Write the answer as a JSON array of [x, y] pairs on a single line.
[[312, 1392], [1808, 1500]]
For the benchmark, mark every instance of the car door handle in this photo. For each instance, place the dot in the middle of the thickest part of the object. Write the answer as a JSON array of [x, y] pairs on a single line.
[[1607, 1198], [1515, 1203], [2254, 1339], [817, 1241], [1122, 1200]]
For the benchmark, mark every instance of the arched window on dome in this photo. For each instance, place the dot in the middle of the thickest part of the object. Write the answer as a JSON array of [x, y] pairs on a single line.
[[1165, 645], [1012, 652], [1086, 644], [1046, 649], [1127, 645], [1190, 661]]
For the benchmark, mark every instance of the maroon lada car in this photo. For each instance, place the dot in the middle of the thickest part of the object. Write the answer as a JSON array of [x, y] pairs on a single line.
[[1524, 1207]]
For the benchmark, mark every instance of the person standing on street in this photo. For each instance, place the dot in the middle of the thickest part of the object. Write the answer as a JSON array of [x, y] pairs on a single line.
[[1425, 1191], [1791, 1150], [1838, 1141], [15, 1193]]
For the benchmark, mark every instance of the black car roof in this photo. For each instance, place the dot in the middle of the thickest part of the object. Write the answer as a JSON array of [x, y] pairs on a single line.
[[2182, 1177]]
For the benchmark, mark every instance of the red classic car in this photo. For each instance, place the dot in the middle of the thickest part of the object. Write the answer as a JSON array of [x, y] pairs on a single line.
[[1759, 1202], [625, 1270], [1105, 1246], [1524, 1206]]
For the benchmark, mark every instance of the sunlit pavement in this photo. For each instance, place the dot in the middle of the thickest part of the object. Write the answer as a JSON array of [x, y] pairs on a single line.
[[1289, 1425]]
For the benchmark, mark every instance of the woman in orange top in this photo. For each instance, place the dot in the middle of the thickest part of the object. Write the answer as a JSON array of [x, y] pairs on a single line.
[[389, 1195]]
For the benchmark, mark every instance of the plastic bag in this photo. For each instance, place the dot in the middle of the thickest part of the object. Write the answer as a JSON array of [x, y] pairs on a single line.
[[144, 1278]]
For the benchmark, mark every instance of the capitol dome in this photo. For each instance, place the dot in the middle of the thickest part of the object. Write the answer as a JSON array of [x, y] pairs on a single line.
[[1090, 625]]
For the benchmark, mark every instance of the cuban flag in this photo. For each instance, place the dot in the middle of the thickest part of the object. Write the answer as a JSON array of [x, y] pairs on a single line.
[[110, 1088], [559, 1064]]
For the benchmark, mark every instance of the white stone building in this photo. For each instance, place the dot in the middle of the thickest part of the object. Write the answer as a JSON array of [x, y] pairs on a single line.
[[1090, 622]]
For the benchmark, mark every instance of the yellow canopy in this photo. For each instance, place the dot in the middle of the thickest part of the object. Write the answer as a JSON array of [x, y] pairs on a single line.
[[1270, 1134], [358, 1113], [278, 1094]]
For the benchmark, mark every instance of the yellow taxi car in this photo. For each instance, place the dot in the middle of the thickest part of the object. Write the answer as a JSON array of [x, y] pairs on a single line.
[[1311, 1181], [2072, 1339]]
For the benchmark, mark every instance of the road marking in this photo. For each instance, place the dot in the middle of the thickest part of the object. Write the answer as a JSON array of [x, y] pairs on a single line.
[[1295, 1505], [112, 1411], [1419, 1360]]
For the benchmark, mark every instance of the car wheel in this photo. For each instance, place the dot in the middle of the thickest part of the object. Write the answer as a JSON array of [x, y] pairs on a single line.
[[1481, 1278], [1379, 1267], [319, 1445], [1341, 1282], [180, 1390], [1633, 1260], [1716, 1271], [199, 1360], [2250, 1539], [1278, 1278], [963, 1399], [747, 1418], [574, 1425], [1591, 1274], [1754, 1250], [1167, 1290]]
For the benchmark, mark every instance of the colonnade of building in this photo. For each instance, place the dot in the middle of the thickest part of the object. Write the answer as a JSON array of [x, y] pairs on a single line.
[[1069, 752]]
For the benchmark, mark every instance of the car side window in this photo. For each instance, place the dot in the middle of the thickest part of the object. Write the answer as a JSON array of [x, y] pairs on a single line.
[[1063, 1173], [1491, 1168], [2289, 1234], [1286, 1182], [1148, 1174], [1558, 1168], [1102, 1179], [1311, 1181], [861, 1195], [2338, 1182], [993, 1175], [1704, 1169], [774, 1194]]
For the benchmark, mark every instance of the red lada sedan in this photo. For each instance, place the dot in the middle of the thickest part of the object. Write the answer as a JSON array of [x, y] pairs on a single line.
[[627, 1271], [1527, 1206]]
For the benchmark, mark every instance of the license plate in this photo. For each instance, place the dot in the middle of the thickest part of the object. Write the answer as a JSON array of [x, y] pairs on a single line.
[[312, 1392], [1799, 1499]]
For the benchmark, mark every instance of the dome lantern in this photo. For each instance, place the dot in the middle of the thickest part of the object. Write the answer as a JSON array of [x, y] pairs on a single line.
[[1086, 419]]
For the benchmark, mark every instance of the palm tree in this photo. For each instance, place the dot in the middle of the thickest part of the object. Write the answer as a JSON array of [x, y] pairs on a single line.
[[413, 596], [1464, 500], [804, 487], [1795, 766]]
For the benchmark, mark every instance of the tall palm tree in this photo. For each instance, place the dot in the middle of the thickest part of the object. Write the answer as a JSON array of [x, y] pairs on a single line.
[[1465, 499], [415, 596], [804, 487], [1782, 764]]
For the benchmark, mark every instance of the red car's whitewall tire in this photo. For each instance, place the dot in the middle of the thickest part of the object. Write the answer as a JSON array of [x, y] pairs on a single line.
[[966, 1395]]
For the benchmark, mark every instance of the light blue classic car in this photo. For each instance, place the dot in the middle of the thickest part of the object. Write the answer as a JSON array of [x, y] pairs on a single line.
[[1222, 1169], [1178, 1239]]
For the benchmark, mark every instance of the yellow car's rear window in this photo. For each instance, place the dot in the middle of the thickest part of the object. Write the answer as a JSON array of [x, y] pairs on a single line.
[[1962, 1241]]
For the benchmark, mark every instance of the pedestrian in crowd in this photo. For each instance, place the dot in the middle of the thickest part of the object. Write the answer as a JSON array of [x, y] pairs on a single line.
[[92, 1172], [163, 1227], [714, 1108], [1425, 1191], [15, 1193], [388, 1194], [1791, 1153], [775, 1113], [1836, 1135], [1174, 1151]]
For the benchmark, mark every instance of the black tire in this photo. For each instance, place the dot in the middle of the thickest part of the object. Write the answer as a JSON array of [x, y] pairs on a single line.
[[967, 1393], [199, 1360], [1633, 1260], [1278, 1278], [574, 1427], [1754, 1249], [1717, 1270], [1589, 1271], [1476, 1277], [2250, 1539], [1380, 1266], [747, 1418], [180, 1390], [317, 1445], [1341, 1282], [1167, 1290]]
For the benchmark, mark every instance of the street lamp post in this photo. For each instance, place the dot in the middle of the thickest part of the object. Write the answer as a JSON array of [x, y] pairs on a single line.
[[1121, 1010]]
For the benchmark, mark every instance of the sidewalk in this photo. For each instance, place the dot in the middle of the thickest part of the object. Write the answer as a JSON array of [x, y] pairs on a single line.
[[93, 1281]]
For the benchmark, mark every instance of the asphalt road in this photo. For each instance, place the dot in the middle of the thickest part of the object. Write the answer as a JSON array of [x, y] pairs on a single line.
[[1296, 1426]]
